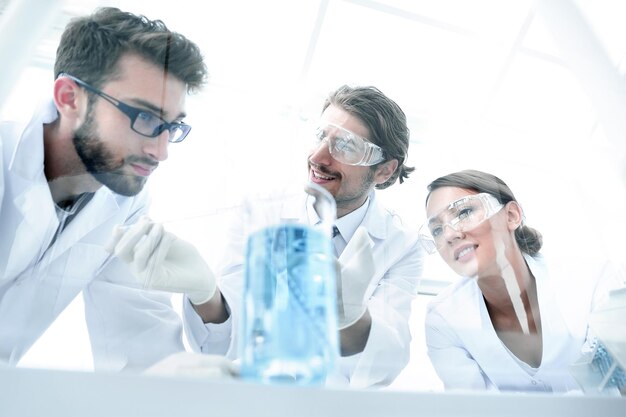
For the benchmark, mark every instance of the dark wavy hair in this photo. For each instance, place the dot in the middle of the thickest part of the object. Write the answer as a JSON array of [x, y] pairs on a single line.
[[92, 45], [528, 239], [385, 121]]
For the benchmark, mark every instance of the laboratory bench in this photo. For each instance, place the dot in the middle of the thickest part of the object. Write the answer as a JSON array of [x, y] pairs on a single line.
[[40, 392]]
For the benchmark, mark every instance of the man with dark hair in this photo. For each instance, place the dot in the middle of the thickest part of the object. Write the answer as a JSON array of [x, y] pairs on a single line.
[[76, 170], [362, 144]]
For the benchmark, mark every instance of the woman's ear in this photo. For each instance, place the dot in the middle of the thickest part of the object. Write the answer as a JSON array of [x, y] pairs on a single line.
[[514, 214], [385, 170]]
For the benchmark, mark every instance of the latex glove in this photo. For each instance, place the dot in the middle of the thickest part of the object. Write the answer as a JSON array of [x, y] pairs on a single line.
[[161, 261], [356, 269], [195, 365]]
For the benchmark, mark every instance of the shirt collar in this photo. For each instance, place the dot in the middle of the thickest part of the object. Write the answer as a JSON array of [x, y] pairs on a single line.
[[348, 224]]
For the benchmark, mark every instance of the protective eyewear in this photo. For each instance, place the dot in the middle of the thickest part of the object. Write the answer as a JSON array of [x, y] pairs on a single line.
[[461, 215], [141, 121], [347, 147]]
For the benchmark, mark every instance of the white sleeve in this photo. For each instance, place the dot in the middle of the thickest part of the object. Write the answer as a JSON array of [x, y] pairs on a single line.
[[387, 350], [129, 329], [209, 338], [222, 338], [453, 363]]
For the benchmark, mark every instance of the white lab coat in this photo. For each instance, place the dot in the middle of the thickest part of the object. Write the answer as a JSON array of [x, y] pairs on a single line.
[[398, 258], [467, 353], [128, 328]]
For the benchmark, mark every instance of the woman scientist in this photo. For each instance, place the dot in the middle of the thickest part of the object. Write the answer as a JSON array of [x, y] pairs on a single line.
[[509, 323]]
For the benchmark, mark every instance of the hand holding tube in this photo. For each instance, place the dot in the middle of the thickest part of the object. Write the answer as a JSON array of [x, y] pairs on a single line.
[[355, 271], [161, 261]]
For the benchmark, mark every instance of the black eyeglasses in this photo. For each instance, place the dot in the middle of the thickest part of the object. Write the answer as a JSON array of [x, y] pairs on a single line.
[[141, 121]]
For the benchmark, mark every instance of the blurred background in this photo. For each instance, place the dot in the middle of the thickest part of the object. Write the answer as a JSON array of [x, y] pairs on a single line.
[[531, 91]]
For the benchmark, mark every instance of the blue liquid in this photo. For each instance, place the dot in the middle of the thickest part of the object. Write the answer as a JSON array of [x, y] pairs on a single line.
[[288, 329]]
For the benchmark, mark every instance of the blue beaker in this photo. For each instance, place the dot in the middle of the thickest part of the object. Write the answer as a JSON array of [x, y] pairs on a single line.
[[288, 327]]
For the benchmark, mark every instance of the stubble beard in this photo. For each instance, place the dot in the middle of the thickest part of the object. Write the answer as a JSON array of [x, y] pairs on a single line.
[[100, 161]]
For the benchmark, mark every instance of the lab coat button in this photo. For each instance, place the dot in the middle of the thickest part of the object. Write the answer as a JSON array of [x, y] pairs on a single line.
[[534, 382]]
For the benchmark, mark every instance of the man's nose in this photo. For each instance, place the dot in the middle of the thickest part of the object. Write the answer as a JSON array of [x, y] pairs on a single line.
[[157, 147], [321, 154]]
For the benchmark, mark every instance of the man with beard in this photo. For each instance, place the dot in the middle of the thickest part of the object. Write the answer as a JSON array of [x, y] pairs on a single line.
[[362, 143], [76, 170]]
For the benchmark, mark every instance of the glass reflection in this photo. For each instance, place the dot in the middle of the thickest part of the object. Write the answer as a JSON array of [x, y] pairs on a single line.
[[264, 143]]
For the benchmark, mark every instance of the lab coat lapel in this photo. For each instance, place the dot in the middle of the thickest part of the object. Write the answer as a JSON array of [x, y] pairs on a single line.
[[554, 329], [375, 224], [101, 208], [38, 223], [372, 220], [474, 327]]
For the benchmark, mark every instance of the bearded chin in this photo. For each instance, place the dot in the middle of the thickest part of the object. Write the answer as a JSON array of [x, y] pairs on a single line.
[[101, 164], [347, 200], [126, 185]]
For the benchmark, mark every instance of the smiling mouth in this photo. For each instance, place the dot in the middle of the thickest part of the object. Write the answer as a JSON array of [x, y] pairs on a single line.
[[463, 252], [321, 176]]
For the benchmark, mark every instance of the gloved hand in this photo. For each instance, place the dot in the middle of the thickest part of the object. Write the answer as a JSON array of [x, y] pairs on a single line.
[[161, 261], [195, 365], [355, 271]]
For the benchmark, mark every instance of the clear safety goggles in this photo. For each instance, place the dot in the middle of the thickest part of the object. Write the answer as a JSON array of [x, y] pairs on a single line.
[[461, 215], [347, 147]]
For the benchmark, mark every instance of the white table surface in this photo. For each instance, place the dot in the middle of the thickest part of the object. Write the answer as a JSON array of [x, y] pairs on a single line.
[[51, 393]]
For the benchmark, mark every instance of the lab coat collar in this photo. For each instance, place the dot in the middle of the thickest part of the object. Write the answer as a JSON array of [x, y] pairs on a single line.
[[553, 325], [35, 201], [37, 209], [101, 208], [27, 160], [470, 319], [38, 220], [375, 212]]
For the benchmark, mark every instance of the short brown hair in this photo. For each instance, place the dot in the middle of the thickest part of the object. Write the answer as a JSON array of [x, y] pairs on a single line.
[[92, 45], [384, 119]]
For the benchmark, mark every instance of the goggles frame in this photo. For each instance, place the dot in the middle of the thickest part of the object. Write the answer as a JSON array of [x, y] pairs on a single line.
[[350, 149], [431, 237]]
